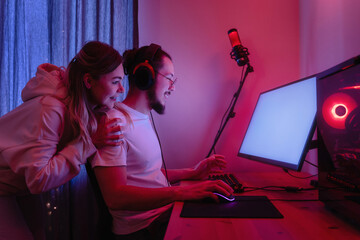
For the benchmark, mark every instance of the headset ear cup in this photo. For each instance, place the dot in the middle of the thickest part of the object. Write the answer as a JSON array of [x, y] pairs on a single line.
[[144, 76]]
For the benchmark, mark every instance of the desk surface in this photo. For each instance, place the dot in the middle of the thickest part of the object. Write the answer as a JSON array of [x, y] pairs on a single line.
[[304, 216]]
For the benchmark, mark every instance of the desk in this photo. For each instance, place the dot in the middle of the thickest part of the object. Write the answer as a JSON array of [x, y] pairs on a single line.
[[303, 218]]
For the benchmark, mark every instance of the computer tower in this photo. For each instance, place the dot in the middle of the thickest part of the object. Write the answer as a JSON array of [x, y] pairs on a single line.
[[338, 133]]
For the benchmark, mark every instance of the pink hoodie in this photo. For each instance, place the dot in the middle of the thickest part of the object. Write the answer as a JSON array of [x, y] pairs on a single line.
[[36, 150]]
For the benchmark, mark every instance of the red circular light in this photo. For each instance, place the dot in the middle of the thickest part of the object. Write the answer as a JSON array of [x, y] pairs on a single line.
[[339, 111], [336, 108]]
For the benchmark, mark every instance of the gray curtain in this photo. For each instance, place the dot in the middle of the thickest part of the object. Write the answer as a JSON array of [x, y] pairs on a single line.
[[38, 31]]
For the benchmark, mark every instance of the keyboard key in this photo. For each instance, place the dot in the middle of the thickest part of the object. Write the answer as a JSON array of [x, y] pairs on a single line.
[[229, 179]]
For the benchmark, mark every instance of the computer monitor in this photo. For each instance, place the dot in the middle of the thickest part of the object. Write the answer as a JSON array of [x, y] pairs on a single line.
[[282, 125]]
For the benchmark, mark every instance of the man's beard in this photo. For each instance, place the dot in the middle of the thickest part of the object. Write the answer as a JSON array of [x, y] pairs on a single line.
[[155, 103]]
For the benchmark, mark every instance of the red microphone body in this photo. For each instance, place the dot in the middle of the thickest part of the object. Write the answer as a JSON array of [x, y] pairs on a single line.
[[239, 53]]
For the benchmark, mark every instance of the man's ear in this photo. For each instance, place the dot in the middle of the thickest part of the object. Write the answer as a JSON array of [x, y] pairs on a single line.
[[87, 80]]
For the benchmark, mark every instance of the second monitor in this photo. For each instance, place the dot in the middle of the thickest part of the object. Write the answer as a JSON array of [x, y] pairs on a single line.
[[282, 125]]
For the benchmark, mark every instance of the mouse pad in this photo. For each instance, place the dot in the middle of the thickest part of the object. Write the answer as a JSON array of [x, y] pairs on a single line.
[[242, 207]]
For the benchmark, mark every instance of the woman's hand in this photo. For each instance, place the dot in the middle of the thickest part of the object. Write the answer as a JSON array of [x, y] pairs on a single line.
[[108, 132], [213, 164]]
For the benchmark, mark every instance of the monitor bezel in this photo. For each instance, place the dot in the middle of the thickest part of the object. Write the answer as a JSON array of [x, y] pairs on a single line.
[[274, 162]]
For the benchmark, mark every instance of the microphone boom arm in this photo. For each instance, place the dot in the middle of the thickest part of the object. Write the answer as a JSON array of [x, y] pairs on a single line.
[[231, 113]]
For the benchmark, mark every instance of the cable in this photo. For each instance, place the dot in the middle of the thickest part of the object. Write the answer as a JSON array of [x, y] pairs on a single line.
[[289, 188], [311, 163], [231, 103], [280, 188], [162, 156], [287, 171], [296, 200], [229, 113]]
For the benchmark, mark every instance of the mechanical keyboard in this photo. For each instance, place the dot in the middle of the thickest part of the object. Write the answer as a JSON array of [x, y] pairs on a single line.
[[229, 179]]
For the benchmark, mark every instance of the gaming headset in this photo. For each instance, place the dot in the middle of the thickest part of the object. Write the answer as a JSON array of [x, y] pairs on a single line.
[[144, 73]]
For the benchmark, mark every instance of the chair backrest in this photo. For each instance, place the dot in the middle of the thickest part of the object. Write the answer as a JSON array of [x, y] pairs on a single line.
[[104, 221]]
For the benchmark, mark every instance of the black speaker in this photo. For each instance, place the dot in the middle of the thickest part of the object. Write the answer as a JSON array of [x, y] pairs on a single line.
[[144, 73]]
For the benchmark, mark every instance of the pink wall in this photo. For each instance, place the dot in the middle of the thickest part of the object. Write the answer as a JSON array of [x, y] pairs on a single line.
[[330, 33], [195, 35]]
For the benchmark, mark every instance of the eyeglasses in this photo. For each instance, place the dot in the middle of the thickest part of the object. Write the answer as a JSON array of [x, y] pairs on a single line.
[[173, 81]]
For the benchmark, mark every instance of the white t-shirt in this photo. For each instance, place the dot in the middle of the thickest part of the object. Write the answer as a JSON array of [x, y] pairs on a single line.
[[141, 154]]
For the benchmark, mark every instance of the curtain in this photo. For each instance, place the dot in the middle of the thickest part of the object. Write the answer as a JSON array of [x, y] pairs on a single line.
[[38, 31]]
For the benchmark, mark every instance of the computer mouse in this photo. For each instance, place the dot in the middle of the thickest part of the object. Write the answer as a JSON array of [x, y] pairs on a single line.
[[223, 198]]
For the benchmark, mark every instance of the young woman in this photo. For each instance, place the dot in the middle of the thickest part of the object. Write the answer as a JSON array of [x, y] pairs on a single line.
[[44, 141], [134, 184]]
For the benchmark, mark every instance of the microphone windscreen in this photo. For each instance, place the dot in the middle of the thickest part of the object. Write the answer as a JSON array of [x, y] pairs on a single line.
[[234, 37]]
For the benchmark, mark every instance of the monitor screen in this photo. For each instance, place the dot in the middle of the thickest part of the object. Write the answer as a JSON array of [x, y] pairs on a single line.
[[282, 125]]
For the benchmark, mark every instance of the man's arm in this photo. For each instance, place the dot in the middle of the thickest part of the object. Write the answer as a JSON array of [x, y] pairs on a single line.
[[213, 164], [119, 196], [176, 175]]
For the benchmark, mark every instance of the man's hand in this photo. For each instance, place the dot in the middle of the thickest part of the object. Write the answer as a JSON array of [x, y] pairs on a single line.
[[205, 189], [213, 164]]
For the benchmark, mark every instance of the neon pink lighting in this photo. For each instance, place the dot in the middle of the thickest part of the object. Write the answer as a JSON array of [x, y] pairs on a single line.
[[349, 88], [335, 114]]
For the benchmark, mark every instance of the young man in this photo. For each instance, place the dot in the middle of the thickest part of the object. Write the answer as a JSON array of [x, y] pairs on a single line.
[[134, 185]]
